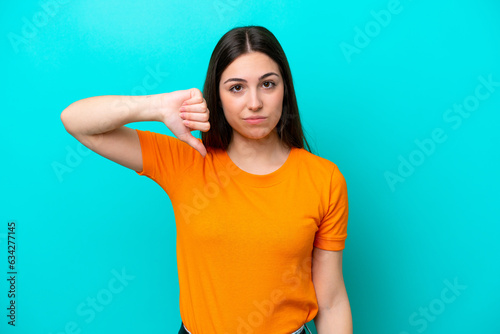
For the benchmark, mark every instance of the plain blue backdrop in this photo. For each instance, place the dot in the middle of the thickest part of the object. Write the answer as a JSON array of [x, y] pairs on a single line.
[[403, 96]]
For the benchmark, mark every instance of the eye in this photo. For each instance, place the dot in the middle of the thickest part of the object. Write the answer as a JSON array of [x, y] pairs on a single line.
[[235, 88], [268, 84]]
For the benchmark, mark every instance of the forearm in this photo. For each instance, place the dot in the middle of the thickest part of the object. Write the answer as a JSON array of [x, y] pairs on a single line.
[[335, 320], [100, 114]]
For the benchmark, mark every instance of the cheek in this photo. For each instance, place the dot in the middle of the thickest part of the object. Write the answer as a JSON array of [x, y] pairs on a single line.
[[230, 105], [277, 104]]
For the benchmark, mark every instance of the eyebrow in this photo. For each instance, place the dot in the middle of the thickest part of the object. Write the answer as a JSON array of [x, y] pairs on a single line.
[[262, 77]]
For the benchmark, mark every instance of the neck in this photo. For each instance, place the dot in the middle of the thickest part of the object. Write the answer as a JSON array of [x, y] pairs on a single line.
[[267, 150]]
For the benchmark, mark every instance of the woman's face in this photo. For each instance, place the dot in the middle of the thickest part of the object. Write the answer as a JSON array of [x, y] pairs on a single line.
[[251, 92]]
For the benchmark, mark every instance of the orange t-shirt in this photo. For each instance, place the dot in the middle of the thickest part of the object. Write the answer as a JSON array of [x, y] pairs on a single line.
[[245, 241]]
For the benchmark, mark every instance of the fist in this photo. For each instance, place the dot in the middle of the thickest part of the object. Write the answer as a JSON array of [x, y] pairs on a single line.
[[186, 111]]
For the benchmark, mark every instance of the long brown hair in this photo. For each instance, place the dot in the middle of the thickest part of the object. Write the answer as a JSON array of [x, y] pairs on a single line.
[[234, 43]]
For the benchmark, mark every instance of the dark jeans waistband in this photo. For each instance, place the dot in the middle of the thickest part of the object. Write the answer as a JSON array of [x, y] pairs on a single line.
[[183, 330]]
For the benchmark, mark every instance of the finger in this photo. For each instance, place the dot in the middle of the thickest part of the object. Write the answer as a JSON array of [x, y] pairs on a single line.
[[200, 148], [199, 107], [201, 126], [195, 97], [197, 145], [197, 117]]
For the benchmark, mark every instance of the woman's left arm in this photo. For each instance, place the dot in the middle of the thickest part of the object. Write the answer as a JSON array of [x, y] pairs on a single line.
[[334, 314]]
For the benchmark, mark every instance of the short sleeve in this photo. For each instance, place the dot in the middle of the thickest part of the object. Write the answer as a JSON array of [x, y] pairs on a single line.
[[164, 158], [332, 230]]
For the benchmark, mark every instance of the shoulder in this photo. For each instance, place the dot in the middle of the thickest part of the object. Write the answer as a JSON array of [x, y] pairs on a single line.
[[168, 148], [313, 162], [164, 140]]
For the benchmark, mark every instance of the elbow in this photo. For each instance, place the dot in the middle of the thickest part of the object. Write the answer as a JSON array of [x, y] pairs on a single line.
[[339, 301], [66, 121]]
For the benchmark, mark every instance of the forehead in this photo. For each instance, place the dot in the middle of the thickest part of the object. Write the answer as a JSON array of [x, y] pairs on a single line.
[[249, 66]]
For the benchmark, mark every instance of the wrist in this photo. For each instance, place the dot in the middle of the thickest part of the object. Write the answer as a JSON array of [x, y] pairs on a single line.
[[156, 104]]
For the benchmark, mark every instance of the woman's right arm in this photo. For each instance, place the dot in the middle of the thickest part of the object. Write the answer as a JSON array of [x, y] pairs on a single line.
[[98, 122]]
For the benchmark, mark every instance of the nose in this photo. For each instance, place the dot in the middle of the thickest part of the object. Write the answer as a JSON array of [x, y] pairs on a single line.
[[254, 102]]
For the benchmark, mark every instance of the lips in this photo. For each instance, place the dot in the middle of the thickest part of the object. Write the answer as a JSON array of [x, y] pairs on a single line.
[[255, 117]]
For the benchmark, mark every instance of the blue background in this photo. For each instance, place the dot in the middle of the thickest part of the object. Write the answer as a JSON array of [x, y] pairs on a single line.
[[437, 225]]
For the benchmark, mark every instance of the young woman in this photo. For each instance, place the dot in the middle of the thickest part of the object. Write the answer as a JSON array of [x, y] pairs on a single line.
[[261, 221]]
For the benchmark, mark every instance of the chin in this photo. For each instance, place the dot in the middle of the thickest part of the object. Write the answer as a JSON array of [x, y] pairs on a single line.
[[256, 134]]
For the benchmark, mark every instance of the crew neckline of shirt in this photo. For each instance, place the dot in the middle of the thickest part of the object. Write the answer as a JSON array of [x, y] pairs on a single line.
[[256, 180]]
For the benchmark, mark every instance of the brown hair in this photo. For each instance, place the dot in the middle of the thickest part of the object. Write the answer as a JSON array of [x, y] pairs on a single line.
[[234, 43]]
